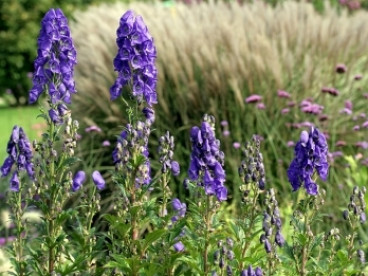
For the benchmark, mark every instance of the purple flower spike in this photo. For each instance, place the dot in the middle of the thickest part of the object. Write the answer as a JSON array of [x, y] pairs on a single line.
[[98, 180], [78, 180], [179, 246], [135, 60], [56, 59], [19, 153], [310, 155], [206, 160]]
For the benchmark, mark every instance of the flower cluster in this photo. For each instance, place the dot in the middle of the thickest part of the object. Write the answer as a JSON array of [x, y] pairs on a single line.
[[307, 106], [252, 169], [166, 153], [135, 60], [55, 62], [251, 272], [224, 255], [19, 153], [179, 208], [271, 223], [310, 156], [132, 141], [356, 206], [206, 159]]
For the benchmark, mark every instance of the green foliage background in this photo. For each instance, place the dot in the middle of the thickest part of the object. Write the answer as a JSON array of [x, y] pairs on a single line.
[[19, 26]]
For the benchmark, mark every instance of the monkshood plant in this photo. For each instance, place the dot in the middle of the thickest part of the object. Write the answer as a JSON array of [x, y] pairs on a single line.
[[43, 248], [138, 226]]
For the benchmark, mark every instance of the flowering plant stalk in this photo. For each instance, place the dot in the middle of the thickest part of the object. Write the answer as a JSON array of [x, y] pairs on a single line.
[[20, 155], [252, 174], [135, 64], [207, 177]]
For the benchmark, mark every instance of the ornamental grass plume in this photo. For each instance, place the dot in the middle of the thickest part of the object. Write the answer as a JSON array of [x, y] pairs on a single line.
[[310, 157], [206, 160], [135, 60]]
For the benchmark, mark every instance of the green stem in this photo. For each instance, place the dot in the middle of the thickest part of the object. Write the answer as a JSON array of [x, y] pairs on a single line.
[[51, 233], [19, 243], [252, 221], [164, 195], [88, 228], [305, 251], [207, 218]]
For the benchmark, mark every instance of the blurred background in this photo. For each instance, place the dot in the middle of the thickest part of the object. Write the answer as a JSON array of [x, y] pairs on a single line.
[[267, 68]]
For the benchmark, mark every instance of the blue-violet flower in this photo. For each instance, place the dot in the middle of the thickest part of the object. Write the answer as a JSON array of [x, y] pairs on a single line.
[[55, 61], [310, 157], [135, 60], [206, 160]]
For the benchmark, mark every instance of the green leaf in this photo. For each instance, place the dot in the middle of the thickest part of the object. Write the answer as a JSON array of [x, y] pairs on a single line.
[[152, 237], [343, 256], [69, 162]]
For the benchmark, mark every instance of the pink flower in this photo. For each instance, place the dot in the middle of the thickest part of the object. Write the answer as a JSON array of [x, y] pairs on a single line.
[[106, 143], [346, 111], [349, 104], [358, 77], [290, 144], [283, 94], [306, 124], [93, 129], [365, 124], [340, 68], [285, 110], [253, 98], [323, 117], [224, 123], [226, 133], [354, 5], [291, 104], [340, 143], [362, 144], [330, 90], [236, 145], [356, 128], [261, 106], [312, 108]]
